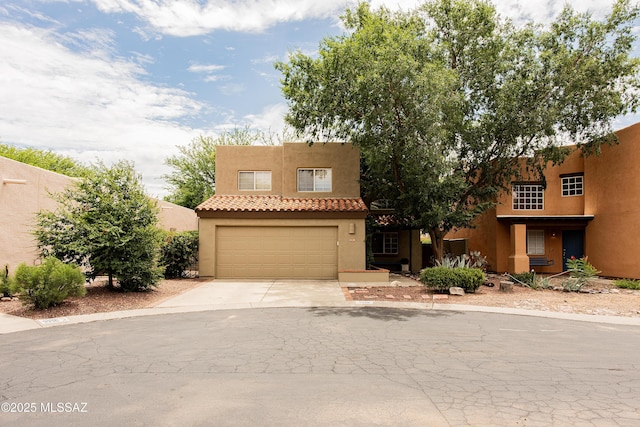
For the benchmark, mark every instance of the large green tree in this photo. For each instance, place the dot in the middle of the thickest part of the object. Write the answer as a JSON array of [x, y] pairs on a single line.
[[444, 99], [105, 223], [193, 179]]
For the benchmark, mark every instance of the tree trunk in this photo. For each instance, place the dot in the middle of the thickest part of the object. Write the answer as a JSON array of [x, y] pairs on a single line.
[[110, 280], [437, 243]]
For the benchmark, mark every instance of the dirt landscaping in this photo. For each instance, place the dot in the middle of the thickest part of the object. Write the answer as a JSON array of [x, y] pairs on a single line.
[[605, 298], [101, 299], [600, 297]]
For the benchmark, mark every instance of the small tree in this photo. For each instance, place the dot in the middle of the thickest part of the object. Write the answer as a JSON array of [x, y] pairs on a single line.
[[106, 224]]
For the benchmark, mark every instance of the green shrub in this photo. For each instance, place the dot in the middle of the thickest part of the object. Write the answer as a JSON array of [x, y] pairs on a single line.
[[179, 252], [442, 278], [627, 283], [48, 284]]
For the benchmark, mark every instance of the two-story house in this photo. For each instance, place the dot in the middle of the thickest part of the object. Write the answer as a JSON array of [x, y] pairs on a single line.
[[586, 206], [292, 211]]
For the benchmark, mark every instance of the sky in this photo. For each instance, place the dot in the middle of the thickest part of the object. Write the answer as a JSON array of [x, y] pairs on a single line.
[[134, 79]]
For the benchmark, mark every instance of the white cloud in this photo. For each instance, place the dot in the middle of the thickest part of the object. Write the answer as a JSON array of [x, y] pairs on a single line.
[[198, 68], [87, 102], [271, 118], [189, 18]]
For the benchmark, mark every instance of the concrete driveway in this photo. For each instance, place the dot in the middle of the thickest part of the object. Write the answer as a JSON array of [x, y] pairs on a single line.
[[261, 293]]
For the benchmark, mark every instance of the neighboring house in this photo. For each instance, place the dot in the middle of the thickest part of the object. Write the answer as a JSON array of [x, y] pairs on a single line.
[[589, 207], [24, 190], [292, 211]]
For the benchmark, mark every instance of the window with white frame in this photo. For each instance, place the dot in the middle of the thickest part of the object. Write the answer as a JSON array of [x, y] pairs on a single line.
[[385, 243], [535, 242], [254, 180], [318, 180], [528, 196], [572, 185]]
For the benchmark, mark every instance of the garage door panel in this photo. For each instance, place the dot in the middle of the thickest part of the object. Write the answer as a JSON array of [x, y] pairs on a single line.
[[277, 252]]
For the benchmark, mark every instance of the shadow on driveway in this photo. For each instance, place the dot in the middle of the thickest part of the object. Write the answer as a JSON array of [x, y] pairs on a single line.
[[379, 313]]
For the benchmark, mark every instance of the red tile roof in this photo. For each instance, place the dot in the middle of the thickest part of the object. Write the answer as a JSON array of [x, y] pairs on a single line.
[[242, 203]]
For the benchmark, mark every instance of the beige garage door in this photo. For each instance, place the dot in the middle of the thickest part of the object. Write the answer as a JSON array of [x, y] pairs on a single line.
[[277, 252]]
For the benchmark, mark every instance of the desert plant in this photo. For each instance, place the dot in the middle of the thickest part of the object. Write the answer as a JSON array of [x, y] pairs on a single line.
[[441, 278], [48, 284], [179, 252], [6, 282], [527, 278], [473, 260], [542, 283], [580, 271], [627, 283]]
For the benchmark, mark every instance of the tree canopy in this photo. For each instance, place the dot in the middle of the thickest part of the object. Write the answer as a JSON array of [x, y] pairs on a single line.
[[44, 159], [444, 99], [106, 224]]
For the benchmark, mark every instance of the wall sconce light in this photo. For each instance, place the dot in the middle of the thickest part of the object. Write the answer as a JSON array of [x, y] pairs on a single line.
[[14, 181], [352, 228], [553, 234]]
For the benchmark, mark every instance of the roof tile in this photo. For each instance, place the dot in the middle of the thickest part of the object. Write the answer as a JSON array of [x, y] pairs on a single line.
[[243, 203]]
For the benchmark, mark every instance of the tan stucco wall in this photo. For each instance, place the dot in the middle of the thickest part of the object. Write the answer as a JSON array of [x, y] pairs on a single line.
[[20, 202], [351, 247], [172, 217], [18, 205], [230, 159], [283, 162], [612, 186]]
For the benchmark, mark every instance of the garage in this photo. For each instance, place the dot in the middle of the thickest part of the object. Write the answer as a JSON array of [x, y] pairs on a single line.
[[276, 252]]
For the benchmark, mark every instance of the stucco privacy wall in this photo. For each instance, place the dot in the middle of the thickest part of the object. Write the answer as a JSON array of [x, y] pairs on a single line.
[[23, 192], [25, 189]]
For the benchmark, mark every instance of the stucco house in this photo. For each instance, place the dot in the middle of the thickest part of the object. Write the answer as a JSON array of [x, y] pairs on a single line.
[[24, 190], [590, 206], [292, 211]]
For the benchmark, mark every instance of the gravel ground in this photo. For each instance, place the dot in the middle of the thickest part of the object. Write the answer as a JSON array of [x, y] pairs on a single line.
[[605, 298]]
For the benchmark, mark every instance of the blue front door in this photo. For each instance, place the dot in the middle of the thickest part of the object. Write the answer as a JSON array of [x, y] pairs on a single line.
[[572, 245]]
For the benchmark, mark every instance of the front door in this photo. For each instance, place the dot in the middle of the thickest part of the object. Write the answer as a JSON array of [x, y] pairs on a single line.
[[572, 245]]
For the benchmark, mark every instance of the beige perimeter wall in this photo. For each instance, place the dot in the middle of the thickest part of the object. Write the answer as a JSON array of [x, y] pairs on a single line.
[[24, 190]]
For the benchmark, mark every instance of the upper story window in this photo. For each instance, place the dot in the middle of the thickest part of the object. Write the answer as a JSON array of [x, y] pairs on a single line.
[[528, 196], [572, 185], [254, 180], [318, 180]]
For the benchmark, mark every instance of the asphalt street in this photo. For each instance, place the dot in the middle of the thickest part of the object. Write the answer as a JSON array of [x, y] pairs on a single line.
[[359, 366]]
